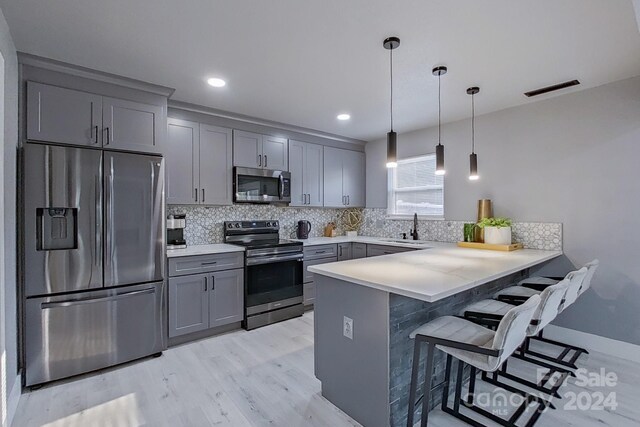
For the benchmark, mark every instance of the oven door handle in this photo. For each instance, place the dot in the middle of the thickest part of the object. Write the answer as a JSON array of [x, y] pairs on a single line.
[[274, 259]]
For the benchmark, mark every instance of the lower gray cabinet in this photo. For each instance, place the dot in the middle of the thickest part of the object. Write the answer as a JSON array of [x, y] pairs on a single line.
[[203, 301], [226, 298], [308, 288], [344, 251], [188, 304], [358, 250]]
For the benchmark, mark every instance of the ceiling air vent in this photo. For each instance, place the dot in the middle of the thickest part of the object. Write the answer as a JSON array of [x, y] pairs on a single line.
[[552, 88]]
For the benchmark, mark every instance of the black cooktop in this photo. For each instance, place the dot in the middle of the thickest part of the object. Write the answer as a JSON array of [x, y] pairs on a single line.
[[257, 244]]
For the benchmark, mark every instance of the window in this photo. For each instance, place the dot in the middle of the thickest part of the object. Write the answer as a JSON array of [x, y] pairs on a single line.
[[415, 188]]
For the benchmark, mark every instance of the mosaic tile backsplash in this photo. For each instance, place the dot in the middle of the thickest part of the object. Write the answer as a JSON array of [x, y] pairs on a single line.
[[204, 224]]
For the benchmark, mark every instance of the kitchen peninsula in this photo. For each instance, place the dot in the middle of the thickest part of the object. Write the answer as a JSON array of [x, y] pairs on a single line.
[[366, 308]]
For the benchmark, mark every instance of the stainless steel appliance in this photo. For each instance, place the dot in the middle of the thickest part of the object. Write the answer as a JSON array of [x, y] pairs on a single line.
[[93, 259], [273, 272], [261, 186], [175, 231]]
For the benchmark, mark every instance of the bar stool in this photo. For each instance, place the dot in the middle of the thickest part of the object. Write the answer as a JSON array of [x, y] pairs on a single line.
[[514, 295], [481, 348], [541, 282], [489, 312]]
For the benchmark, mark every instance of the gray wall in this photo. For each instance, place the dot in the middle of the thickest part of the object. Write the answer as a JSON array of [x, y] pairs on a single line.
[[8, 320], [572, 159]]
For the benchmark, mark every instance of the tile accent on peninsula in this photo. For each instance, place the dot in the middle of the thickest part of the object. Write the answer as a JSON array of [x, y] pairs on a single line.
[[204, 224]]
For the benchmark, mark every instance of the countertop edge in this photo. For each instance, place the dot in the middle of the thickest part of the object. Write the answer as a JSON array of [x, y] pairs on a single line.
[[430, 298]]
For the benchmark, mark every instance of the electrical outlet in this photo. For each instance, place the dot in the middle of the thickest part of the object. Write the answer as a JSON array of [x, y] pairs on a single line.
[[347, 327]]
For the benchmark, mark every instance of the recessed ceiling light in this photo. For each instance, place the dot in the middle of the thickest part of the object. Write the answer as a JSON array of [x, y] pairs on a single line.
[[344, 116], [216, 82]]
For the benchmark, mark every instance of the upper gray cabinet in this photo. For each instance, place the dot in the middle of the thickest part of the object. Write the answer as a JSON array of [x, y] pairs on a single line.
[[67, 116], [344, 178], [64, 116], [305, 165], [198, 163], [182, 162], [216, 171], [253, 150], [129, 125]]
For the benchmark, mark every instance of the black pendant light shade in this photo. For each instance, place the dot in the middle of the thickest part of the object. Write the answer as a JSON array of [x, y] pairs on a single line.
[[473, 158], [391, 43], [440, 170], [392, 157]]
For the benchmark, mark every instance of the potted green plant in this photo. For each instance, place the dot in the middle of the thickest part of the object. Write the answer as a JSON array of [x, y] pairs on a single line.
[[497, 231]]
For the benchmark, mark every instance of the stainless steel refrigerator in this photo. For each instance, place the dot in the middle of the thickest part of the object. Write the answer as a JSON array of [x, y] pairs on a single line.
[[93, 259]]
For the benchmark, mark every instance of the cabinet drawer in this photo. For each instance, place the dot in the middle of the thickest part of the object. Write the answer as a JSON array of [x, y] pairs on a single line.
[[308, 293], [377, 250], [181, 266], [307, 276], [321, 251]]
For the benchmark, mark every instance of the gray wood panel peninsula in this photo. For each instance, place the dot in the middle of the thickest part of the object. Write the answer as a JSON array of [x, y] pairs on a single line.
[[366, 308]]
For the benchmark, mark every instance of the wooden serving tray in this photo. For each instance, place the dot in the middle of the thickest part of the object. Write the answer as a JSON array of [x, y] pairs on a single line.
[[506, 248]]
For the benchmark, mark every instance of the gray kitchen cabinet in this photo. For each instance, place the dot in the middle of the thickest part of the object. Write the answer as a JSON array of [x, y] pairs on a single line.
[[305, 165], [64, 116], [67, 116], [198, 164], [188, 304], [205, 291], [132, 126], [315, 255], [275, 153], [358, 250], [253, 150], [344, 178], [226, 298], [377, 250], [247, 149], [344, 251], [216, 170], [182, 162]]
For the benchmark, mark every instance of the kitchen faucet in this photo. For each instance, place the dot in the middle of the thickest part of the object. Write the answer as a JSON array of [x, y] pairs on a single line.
[[414, 232]]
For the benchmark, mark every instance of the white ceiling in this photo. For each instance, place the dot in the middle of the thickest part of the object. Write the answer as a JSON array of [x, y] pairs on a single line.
[[303, 62]]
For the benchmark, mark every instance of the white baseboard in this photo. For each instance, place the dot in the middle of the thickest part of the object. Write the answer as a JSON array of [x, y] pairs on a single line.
[[621, 349], [13, 399]]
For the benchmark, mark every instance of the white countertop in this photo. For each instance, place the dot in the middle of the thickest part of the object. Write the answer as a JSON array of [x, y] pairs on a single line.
[[416, 244], [219, 248], [432, 274]]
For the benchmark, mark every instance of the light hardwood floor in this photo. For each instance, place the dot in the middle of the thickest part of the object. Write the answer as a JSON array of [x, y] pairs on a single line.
[[256, 378]]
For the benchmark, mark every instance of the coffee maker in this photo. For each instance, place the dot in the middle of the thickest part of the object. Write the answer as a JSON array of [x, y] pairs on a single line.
[[303, 229], [175, 231]]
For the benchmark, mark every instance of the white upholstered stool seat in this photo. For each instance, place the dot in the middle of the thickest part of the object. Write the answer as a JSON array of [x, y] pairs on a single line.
[[489, 306], [539, 280], [463, 331]]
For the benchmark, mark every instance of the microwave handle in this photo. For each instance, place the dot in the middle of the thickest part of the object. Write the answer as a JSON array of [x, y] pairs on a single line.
[[281, 187]]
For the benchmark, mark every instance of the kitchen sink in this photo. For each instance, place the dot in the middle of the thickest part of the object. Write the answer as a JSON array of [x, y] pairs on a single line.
[[406, 241]]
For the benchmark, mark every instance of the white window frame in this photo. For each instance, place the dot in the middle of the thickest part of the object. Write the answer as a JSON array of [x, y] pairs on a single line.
[[390, 192]]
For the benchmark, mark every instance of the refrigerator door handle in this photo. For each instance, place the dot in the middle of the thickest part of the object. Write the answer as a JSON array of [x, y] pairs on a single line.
[[69, 303], [109, 218], [98, 222]]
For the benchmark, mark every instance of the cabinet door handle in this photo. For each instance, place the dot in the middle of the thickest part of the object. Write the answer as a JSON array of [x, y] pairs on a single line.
[[205, 284], [265, 160], [307, 199], [108, 136], [259, 159], [196, 191], [340, 248], [96, 134], [213, 283], [203, 194], [348, 200]]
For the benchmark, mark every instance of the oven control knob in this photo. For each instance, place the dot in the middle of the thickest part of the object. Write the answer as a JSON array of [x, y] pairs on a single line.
[[237, 225], [229, 225], [268, 224], [275, 224]]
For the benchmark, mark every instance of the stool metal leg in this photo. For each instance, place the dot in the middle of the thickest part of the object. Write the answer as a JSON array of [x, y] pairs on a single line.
[[414, 382], [428, 373], [445, 386]]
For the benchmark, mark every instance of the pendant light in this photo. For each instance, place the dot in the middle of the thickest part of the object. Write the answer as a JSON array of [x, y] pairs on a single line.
[[440, 170], [473, 158], [390, 44]]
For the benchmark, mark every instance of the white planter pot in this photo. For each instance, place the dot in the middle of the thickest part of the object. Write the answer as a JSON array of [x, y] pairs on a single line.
[[352, 233], [497, 235]]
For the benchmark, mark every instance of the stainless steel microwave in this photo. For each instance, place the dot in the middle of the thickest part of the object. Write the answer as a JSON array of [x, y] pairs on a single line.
[[261, 186]]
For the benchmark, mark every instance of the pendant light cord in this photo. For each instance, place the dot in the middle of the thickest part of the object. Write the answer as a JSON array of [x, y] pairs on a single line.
[[439, 109], [391, 69], [473, 124]]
